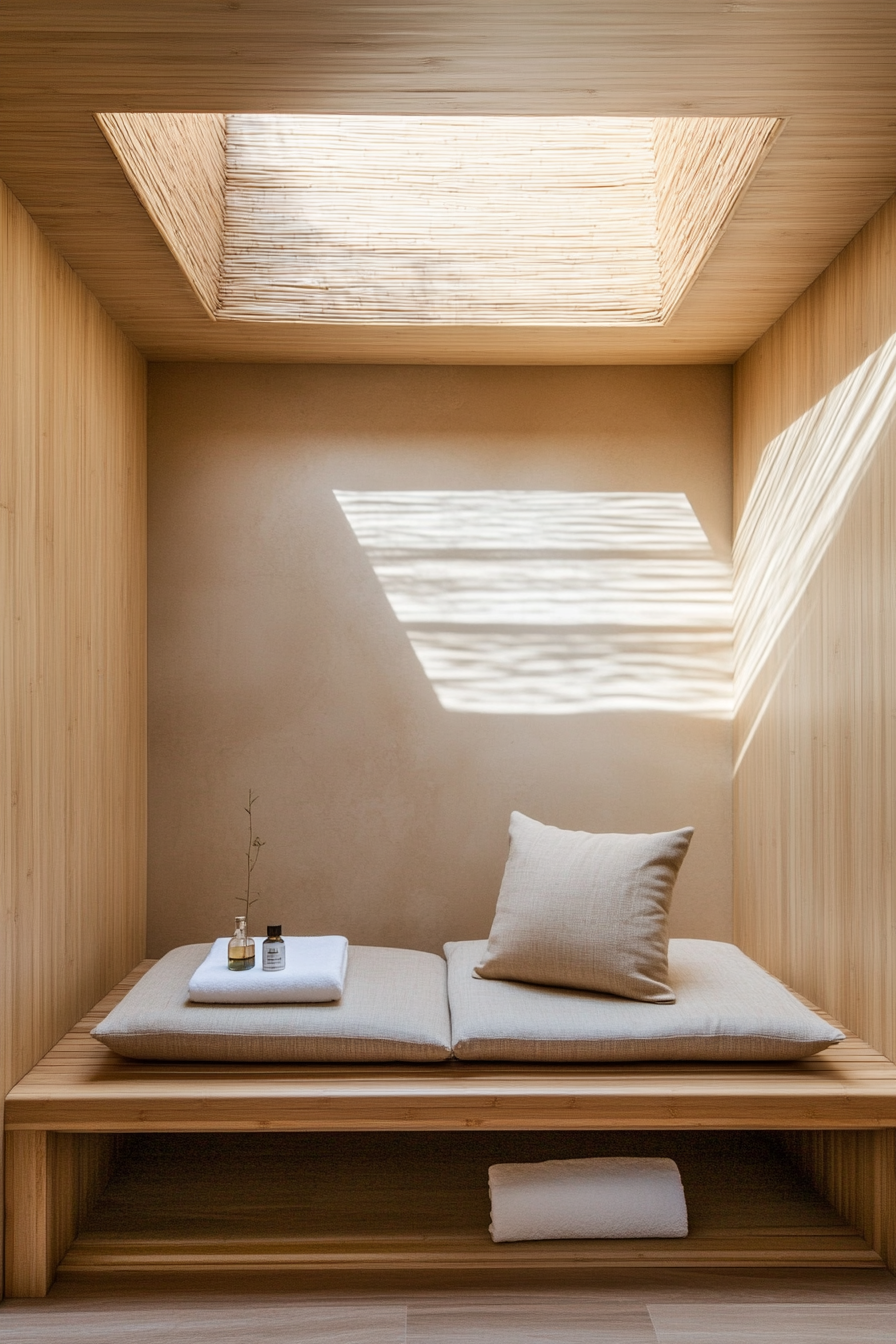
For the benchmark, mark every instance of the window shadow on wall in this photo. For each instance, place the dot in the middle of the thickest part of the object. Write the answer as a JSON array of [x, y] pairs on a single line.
[[553, 602]]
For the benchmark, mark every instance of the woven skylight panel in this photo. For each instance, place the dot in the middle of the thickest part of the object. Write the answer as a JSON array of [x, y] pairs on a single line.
[[441, 219]]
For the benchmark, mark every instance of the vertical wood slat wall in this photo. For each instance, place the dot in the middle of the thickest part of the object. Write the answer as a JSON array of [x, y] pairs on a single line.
[[815, 733], [815, 738], [72, 648]]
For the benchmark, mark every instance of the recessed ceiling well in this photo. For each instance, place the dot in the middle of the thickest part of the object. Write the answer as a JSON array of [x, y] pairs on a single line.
[[469, 220], [153, 255]]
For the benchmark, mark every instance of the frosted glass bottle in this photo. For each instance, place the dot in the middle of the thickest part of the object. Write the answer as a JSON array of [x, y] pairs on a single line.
[[241, 948]]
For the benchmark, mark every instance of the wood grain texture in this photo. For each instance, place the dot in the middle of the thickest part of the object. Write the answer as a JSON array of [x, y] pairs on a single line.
[[93, 1294], [80, 1085], [72, 646], [52, 1183], [816, 1323], [572, 1322], [815, 736], [840, 320], [176, 164], [614, 1306], [420, 1202], [856, 1172], [824, 67], [216, 1319], [29, 1266], [770, 1246]]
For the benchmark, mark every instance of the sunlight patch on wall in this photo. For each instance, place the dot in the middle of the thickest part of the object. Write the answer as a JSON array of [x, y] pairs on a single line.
[[548, 602], [806, 479]]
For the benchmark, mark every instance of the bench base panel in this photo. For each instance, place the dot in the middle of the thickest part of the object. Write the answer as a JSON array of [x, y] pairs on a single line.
[[759, 1249], [68, 1118], [52, 1183], [856, 1173]]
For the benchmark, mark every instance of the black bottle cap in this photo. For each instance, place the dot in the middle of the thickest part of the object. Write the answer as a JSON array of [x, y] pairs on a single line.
[[274, 930]]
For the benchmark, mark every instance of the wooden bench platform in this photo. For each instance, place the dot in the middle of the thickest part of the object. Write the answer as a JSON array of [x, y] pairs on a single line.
[[60, 1119], [80, 1085]]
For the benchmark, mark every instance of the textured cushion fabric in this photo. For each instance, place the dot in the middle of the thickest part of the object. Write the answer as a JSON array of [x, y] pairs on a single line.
[[726, 1007], [394, 1007], [585, 911]]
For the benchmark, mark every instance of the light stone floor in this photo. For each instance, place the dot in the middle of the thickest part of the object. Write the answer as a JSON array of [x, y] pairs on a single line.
[[623, 1307]]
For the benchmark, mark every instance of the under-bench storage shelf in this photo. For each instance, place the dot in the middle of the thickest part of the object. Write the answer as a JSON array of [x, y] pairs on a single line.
[[182, 1202]]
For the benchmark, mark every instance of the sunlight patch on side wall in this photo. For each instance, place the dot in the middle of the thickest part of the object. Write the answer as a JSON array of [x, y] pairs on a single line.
[[548, 602], [806, 479]]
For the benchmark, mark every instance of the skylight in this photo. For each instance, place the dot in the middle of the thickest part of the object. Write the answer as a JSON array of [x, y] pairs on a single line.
[[321, 218], [448, 219]]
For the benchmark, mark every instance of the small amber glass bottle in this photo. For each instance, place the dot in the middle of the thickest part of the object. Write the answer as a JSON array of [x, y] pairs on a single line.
[[273, 950], [241, 948]]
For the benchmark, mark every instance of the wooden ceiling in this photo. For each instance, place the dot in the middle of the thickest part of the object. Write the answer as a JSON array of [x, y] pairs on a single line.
[[825, 65]]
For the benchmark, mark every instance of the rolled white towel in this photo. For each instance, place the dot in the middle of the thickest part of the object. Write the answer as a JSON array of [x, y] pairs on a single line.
[[314, 973], [592, 1197]]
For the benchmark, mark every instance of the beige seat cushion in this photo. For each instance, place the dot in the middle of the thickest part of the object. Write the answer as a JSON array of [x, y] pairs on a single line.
[[585, 911], [394, 1007], [726, 1007]]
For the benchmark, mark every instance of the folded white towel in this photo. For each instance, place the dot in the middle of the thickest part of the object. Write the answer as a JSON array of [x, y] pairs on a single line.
[[314, 973], [587, 1197]]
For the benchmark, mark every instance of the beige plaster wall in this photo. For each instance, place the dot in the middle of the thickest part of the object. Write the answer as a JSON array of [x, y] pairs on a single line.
[[277, 662]]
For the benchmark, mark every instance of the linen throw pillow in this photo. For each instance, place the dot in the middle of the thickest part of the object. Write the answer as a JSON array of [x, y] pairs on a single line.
[[585, 911]]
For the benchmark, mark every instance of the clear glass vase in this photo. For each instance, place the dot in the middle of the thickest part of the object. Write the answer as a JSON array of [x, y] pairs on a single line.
[[241, 948]]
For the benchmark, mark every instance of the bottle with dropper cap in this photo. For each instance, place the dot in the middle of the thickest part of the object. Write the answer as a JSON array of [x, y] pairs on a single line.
[[273, 950]]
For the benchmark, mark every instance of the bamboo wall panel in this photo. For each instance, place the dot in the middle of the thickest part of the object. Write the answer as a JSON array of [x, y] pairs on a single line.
[[175, 163], [815, 619], [72, 647]]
